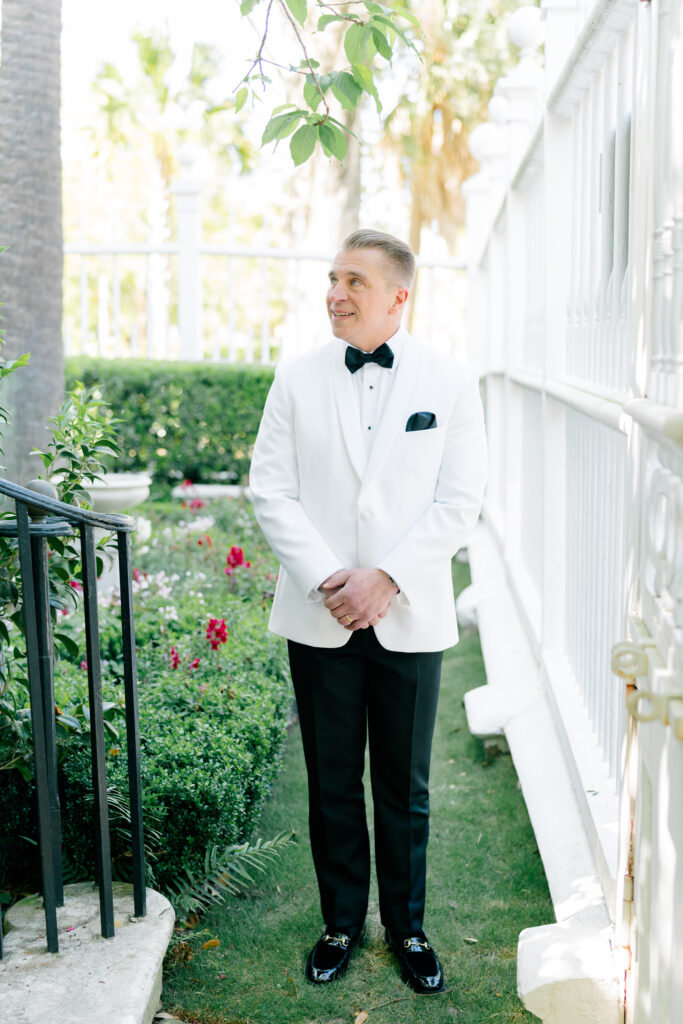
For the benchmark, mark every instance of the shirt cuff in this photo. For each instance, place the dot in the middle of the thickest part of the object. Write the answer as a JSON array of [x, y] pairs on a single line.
[[315, 595]]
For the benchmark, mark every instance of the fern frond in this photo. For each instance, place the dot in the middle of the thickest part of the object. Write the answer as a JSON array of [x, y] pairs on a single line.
[[226, 873]]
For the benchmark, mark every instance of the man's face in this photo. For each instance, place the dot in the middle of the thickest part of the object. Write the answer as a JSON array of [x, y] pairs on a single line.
[[364, 302]]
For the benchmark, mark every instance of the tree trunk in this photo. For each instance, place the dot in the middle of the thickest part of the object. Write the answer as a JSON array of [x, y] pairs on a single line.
[[30, 225]]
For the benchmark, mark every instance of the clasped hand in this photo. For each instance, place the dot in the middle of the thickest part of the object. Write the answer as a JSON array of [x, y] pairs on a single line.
[[358, 598]]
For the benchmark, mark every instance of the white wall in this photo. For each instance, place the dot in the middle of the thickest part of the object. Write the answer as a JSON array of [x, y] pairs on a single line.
[[575, 224]]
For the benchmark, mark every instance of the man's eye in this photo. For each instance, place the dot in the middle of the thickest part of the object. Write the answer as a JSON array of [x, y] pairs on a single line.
[[355, 280]]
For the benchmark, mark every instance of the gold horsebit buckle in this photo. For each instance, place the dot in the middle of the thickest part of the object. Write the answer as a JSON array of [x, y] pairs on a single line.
[[412, 943], [339, 939]]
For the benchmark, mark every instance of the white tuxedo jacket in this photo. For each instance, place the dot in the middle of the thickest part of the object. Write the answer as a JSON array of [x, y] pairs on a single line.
[[407, 511]]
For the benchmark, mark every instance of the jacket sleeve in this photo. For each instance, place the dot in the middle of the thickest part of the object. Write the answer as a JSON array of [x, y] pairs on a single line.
[[447, 524], [274, 484]]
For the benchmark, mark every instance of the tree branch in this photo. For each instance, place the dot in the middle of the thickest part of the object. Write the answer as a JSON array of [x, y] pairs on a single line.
[[259, 58], [292, 22]]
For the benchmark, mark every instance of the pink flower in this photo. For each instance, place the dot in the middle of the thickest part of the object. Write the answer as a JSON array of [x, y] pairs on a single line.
[[205, 541], [84, 665], [76, 585], [216, 633], [138, 575], [194, 664], [175, 658], [202, 688]]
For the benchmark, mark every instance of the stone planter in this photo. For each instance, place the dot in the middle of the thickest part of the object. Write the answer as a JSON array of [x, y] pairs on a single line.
[[118, 492]]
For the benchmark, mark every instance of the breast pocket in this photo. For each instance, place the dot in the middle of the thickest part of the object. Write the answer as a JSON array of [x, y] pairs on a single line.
[[420, 451]]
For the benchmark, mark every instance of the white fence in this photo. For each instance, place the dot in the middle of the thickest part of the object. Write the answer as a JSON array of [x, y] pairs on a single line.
[[575, 226], [193, 300]]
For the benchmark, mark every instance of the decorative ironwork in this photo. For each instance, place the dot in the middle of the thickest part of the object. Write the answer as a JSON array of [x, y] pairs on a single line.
[[38, 517]]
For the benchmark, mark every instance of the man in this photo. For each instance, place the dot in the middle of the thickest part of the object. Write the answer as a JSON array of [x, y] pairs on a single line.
[[367, 476]]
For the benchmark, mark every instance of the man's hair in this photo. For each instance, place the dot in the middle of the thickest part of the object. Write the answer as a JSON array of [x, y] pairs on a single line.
[[398, 253]]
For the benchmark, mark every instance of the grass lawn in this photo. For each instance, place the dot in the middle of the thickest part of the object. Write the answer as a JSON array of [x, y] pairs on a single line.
[[485, 884]]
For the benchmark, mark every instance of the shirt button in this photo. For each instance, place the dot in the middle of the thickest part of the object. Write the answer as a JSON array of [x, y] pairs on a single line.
[[365, 514]]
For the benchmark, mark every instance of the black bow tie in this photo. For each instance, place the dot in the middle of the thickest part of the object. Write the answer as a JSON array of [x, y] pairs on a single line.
[[354, 358]]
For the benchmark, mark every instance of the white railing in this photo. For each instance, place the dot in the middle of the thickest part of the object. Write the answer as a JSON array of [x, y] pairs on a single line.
[[575, 225], [195, 300]]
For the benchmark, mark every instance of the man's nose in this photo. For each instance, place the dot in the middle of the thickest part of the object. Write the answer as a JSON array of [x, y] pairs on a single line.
[[337, 292]]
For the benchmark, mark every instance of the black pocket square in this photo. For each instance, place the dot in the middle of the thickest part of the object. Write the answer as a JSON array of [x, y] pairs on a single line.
[[421, 421]]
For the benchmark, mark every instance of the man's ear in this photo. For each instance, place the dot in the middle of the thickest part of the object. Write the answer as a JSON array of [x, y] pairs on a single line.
[[400, 299]]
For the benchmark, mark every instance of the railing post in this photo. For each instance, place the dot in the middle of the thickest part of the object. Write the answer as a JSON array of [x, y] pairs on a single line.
[[99, 770], [47, 686], [42, 756], [188, 208], [130, 681]]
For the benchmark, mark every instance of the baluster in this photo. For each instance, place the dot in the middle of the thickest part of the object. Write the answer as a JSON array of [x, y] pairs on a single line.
[[41, 754], [45, 660], [265, 305], [99, 777], [132, 724]]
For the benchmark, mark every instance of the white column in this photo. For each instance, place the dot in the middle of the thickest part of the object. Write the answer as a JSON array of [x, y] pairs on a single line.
[[523, 86], [188, 209]]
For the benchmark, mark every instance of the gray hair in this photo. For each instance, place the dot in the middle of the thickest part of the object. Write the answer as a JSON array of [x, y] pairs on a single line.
[[399, 255]]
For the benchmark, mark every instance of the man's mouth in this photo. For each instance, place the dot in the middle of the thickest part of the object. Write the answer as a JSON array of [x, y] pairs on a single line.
[[339, 315]]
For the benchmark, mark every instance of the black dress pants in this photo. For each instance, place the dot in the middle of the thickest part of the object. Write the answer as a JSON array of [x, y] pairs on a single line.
[[345, 695]]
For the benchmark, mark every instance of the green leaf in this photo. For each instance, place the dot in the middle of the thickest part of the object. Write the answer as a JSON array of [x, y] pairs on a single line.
[[241, 98], [69, 643], [332, 140], [381, 43], [303, 143], [383, 20], [247, 6], [312, 93], [357, 44], [363, 76], [68, 722], [327, 19], [346, 89], [281, 126], [298, 9]]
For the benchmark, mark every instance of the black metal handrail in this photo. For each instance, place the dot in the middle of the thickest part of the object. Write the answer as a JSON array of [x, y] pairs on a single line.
[[33, 567]]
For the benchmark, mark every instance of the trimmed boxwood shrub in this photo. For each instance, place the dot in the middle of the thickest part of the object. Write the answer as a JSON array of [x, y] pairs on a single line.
[[194, 421], [212, 718]]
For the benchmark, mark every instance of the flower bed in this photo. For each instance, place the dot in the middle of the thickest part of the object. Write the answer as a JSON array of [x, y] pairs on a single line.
[[214, 700]]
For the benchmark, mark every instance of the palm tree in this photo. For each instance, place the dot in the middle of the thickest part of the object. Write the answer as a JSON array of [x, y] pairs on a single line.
[[30, 223]]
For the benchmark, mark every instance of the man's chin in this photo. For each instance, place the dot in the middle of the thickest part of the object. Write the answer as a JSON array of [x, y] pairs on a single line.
[[340, 327]]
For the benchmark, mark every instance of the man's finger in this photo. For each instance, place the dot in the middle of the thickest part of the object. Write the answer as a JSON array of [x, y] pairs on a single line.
[[337, 579]]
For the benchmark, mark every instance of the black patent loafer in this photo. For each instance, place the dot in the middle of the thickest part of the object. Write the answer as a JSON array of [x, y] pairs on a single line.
[[420, 967], [330, 956]]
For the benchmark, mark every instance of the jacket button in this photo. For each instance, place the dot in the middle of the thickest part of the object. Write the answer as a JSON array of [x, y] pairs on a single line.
[[365, 514]]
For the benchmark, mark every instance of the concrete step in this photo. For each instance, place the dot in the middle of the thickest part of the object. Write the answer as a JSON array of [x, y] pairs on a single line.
[[111, 981]]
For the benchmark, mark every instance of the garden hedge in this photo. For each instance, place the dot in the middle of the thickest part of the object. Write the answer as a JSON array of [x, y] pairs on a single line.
[[182, 421]]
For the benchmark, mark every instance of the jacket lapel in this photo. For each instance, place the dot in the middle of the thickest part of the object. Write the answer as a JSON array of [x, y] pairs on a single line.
[[347, 408], [393, 418]]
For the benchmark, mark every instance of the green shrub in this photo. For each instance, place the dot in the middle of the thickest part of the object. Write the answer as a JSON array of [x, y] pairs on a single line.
[[212, 721], [194, 421]]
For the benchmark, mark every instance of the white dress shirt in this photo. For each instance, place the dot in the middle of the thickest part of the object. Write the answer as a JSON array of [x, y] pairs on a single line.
[[372, 384]]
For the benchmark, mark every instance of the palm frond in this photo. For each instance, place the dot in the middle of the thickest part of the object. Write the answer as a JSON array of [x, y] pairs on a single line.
[[226, 873]]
